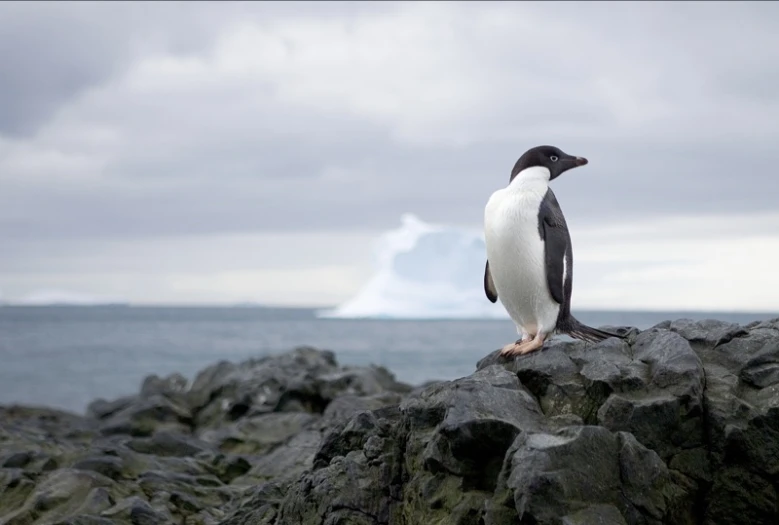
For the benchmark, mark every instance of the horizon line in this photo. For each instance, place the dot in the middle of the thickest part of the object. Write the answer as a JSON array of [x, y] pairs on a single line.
[[249, 305]]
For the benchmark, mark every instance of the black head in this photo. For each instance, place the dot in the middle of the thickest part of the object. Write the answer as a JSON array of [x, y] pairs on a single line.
[[549, 157]]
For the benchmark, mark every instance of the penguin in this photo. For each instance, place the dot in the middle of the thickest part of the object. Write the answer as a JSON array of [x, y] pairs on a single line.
[[529, 253]]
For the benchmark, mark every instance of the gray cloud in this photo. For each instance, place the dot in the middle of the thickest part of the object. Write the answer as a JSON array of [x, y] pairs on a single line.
[[144, 120]]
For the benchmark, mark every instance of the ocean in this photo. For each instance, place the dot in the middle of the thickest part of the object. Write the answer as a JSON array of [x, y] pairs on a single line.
[[67, 356]]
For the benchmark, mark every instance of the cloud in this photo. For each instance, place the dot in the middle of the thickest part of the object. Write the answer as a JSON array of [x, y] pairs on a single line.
[[135, 123], [286, 269]]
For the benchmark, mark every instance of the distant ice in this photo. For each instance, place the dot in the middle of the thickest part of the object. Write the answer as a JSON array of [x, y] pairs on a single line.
[[65, 297], [424, 271]]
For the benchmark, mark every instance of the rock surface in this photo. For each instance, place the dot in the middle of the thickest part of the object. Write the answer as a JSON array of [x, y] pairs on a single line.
[[678, 424]]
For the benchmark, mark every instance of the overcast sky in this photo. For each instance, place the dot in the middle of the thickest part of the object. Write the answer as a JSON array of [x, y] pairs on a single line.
[[226, 152]]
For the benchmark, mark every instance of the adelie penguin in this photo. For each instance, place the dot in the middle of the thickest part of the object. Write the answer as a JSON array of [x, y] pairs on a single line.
[[529, 254]]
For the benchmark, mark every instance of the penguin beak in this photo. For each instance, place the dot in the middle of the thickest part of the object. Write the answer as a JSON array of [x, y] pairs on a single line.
[[579, 161]]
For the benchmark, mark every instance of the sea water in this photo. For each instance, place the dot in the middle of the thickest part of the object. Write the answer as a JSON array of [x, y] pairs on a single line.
[[65, 357]]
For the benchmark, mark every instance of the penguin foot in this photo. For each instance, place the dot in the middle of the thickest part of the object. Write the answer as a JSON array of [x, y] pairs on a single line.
[[509, 349], [523, 347]]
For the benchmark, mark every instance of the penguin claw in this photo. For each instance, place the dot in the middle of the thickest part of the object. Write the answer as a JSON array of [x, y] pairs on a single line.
[[522, 347], [509, 349]]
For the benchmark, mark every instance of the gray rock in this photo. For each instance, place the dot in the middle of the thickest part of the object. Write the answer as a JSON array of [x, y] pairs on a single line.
[[709, 332], [288, 460], [108, 466], [552, 475], [136, 511], [304, 380], [676, 424], [61, 494], [595, 515], [345, 406], [169, 444], [103, 409], [664, 407], [259, 434], [147, 415], [171, 386]]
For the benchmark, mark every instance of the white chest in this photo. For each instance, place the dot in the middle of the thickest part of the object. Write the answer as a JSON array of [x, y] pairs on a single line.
[[516, 252]]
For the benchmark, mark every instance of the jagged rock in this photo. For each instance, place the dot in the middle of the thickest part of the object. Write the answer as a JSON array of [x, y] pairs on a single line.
[[346, 405], [548, 476], [305, 380], [677, 424], [136, 511], [168, 444], [147, 415], [64, 493], [259, 434], [595, 515], [171, 386], [108, 466]]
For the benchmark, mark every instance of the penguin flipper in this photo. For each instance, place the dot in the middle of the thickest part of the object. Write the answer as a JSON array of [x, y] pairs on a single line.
[[558, 257], [489, 286], [554, 260]]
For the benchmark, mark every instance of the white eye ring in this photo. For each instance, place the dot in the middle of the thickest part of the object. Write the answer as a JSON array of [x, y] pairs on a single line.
[[554, 158]]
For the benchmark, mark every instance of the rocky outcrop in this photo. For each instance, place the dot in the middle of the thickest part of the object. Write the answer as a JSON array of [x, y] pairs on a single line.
[[677, 424], [180, 452]]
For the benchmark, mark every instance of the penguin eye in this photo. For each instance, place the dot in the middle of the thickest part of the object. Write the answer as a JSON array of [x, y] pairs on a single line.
[[553, 158]]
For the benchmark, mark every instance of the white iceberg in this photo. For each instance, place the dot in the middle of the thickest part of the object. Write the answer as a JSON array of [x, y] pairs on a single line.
[[424, 271]]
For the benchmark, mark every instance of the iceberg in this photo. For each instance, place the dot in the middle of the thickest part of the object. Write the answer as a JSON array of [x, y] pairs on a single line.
[[424, 271]]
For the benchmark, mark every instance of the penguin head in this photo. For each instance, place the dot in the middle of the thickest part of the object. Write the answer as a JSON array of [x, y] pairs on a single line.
[[550, 157]]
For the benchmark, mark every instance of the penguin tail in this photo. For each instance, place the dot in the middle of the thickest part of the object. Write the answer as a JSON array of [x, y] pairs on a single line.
[[581, 331]]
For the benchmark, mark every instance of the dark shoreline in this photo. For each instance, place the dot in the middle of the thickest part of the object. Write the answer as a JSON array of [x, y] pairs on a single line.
[[680, 424]]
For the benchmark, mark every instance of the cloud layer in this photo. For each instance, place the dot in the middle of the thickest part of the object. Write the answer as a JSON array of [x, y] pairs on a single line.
[[214, 126]]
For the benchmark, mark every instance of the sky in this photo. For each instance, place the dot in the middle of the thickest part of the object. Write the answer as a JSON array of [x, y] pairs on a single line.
[[214, 153]]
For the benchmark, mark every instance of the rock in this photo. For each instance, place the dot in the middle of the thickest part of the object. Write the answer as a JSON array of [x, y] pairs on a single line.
[[345, 406], [146, 415], [102, 409], [171, 386], [305, 380], [259, 506], [290, 459], [708, 333], [552, 475], [61, 494], [259, 434], [136, 511], [595, 515], [168, 444], [675, 424], [108, 466]]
